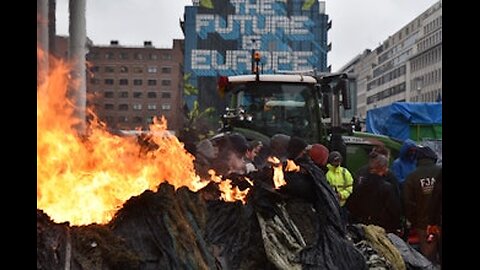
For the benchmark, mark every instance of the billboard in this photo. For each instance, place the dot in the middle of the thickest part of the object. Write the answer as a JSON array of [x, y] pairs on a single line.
[[221, 35]]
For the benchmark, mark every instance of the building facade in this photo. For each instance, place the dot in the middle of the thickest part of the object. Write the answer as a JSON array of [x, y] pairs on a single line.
[[221, 36], [128, 86], [407, 66]]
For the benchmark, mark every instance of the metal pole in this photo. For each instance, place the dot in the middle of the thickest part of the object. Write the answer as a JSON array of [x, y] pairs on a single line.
[[77, 52], [42, 40]]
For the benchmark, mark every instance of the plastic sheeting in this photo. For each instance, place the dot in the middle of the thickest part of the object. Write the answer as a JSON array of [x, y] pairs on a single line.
[[395, 120]]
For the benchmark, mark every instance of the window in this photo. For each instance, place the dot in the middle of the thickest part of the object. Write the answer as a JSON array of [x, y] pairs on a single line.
[[152, 107], [123, 107], [166, 82], [122, 119], [109, 69], [123, 55], [108, 106], [123, 94], [109, 55], [108, 94], [137, 70], [166, 56], [138, 56], [108, 81], [166, 107], [137, 82], [152, 56], [152, 69], [152, 94], [123, 81], [137, 119], [137, 107], [149, 120], [152, 82], [166, 95], [110, 119], [166, 70], [94, 81], [123, 69], [95, 69], [93, 55], [137, 94]]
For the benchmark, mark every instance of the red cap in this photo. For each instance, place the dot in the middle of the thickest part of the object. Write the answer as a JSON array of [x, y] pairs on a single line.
[[319, 154]]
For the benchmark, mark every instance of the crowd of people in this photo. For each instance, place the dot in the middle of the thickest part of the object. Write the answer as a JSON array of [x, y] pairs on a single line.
[[402, 197]]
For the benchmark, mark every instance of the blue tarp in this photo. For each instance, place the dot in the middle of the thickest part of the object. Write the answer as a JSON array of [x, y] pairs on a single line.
[[395, 120]]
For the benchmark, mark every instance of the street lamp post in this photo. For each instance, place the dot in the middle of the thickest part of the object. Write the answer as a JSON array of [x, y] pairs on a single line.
[[418, 86]]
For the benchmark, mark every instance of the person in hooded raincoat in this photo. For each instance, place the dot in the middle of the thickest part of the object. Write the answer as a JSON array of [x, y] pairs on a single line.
[[405, 163]]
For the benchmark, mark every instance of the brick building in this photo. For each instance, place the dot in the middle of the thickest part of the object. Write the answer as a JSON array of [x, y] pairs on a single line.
[[129, 85]]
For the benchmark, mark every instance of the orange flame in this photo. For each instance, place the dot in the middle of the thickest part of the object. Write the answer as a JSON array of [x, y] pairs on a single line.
[[228, 193], [278, 178], [86, 179], [278, 175], [291, 166]]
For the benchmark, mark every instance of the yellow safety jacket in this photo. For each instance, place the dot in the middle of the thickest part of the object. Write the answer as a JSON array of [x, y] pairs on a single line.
[[341, 180]]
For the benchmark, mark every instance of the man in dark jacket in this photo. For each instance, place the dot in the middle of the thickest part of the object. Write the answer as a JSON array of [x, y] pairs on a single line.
[[434, 228], [375, 200], [362, 172], [417, 193]]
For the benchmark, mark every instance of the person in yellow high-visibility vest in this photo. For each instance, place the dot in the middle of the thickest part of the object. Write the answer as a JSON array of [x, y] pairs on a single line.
[[339, 177]]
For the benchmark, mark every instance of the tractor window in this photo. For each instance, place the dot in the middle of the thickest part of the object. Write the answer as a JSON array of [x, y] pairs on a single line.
[[277, 107]]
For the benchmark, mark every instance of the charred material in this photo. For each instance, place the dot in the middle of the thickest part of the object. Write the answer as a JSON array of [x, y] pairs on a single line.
[[60, 246]]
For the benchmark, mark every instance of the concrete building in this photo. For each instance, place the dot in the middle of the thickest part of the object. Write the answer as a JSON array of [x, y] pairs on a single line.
[[407, 66], [220, 38], [128, 86]]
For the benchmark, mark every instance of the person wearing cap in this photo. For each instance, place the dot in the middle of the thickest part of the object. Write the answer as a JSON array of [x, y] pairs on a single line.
[[319, 155], [341, 180], [278, 146], [339, 177], [417, 194]]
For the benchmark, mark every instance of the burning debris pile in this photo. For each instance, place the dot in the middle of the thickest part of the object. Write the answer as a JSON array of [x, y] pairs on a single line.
[[166, 229]]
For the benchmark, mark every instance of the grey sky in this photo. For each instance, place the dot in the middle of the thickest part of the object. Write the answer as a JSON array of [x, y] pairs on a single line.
[[356, 24]]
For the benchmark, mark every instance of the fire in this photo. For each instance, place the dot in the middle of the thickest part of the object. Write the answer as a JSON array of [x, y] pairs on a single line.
[[278, 175], [86, 179], [228, 192]]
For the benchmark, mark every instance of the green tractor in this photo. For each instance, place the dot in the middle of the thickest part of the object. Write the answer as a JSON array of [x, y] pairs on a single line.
[[262, 105]]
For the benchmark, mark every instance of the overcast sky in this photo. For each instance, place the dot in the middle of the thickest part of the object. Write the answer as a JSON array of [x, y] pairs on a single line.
[[356, 24]]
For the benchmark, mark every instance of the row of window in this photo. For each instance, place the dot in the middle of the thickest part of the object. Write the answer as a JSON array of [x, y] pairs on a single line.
[[128, 55], [427, 59], [429, 78], [430, 41], [125, 94], [387, 77], [406, 44], [433, 25], [125, 69], [137, 82], [126, 119], [430, 96], [399, 88], [136, 107]]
